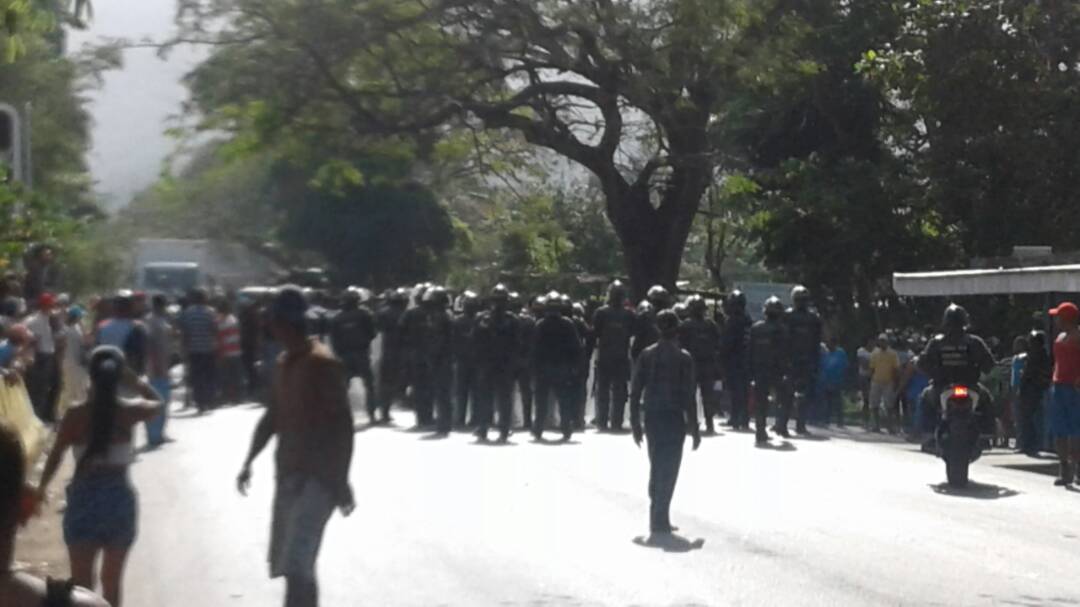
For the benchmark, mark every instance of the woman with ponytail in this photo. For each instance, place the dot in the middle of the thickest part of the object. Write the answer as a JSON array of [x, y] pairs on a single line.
[[101, 502]]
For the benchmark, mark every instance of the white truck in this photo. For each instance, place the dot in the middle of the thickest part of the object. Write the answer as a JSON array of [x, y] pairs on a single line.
[[174, 266]]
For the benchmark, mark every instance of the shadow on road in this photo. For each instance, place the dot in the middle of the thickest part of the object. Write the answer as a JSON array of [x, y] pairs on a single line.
[[1027, 600], [783, 446], [669, 542], [553, 443], [979, 491], [1049, 468], [812, 438]]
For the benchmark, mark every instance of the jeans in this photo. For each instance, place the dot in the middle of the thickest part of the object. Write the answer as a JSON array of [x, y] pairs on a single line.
[[665, 434], [155, 428], [202, 378]]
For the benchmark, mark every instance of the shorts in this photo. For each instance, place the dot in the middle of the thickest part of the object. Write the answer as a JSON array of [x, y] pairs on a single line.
[[882, 396], [102, 510], [1063, 415], [302, 507]]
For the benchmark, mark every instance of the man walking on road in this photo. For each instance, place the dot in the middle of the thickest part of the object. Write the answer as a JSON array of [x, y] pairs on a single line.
[[664, 378], [311, 417]]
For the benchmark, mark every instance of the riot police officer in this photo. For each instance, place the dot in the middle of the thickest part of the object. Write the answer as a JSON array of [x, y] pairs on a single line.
[[769, 364], [428, 331], [466, 375], [613, 326], [805, 334], [351, 332], [392, 359], [734, 341], [645, 331], [588, 341], [660, 298], [498, 341], [523, 358], [559, 354], [957, 357], [700, 336], [664, 380]]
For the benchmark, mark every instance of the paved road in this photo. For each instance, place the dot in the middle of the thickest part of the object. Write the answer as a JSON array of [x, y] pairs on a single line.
[[449, 522]]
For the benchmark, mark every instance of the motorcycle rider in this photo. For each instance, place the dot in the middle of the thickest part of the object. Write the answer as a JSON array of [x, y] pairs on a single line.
[[559, 355], [700, 336], [351, 332], [613, 326], [957, 357], [770, 361], [466, 378], [734, 351], [805, 334], [497, 344]]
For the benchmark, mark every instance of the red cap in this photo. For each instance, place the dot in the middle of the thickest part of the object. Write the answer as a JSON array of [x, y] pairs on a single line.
[[46, 301], [1066, 310]]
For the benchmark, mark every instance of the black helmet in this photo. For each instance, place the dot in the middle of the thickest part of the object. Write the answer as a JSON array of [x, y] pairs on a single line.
[[565, 303], [436, 296], [552, 302], [696, 303], [774, 308], [736, 300], [579, 309], [955, 318], [645, 308], [800, 296], [515, 300], [659, 296], [350, 298], [616, 292], [399, 296], [667, 321], [681, 310], [500, 294], [470, 301], [1037, 339]]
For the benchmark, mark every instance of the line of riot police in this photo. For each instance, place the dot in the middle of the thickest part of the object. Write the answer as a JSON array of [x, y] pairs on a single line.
[[462, 365]]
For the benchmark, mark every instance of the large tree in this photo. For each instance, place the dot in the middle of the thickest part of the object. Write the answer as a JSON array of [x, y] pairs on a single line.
[[630, 90]]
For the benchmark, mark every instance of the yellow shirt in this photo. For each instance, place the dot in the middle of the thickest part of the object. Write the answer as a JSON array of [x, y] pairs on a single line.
[[884, 366]]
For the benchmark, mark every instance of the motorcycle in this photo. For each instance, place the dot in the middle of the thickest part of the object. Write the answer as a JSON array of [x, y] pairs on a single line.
[[958, 435]]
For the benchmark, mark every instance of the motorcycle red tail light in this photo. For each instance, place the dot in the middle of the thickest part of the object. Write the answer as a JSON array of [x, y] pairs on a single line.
[[960, 392]]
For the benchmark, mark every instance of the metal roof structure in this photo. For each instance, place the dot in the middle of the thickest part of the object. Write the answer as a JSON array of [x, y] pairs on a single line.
[[1000, 281]]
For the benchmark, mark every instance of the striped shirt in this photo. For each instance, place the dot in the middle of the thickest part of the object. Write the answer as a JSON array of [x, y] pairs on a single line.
[[199, 325], [229, 336]]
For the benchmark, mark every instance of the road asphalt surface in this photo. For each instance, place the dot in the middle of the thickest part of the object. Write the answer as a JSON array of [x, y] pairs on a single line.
[[842, 519]]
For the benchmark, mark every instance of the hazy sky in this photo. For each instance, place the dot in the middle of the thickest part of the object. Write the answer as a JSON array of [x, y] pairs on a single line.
[[131, 111]]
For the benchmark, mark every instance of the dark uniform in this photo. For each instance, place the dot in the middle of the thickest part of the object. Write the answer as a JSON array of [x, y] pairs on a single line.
[[664, 381], [734, 351], [957, 357], [805, 334], [524, 364], [351, 333], [701, 338], [769, 364], [497, 340], [558, 355], [581, 377], [466, 372], [427, 332], [613, 326], [392, 358], [645, 331]]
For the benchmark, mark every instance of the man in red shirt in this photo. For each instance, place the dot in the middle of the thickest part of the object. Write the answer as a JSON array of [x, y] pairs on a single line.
[[1064, 410]]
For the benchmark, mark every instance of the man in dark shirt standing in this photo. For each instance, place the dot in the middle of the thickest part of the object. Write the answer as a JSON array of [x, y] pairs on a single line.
[[664, 378], [312, 419], [733, 349], [392, 361], [496, 345], [700, 337], [558, 356]]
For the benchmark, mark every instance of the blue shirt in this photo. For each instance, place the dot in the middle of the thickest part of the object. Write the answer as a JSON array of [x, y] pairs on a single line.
[[1018, 363], [7, 353], [834, 368]]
